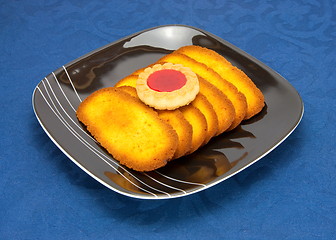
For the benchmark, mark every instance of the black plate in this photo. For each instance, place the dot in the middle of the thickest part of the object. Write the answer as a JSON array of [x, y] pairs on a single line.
[[56, 98]]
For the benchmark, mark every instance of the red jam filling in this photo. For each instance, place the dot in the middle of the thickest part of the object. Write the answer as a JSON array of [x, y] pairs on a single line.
[[166, 80]]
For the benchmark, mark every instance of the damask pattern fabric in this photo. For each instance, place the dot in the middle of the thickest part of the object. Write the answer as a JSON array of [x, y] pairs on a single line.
[[289, 194]]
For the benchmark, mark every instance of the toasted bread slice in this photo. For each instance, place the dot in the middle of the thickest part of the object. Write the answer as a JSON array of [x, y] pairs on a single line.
[[129, 80], [128, 129]]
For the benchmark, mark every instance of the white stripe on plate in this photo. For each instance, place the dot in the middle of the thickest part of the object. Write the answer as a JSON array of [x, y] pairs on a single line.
[[63, 92], [181, 190], [72, 83], [66, 111], [181, 181]]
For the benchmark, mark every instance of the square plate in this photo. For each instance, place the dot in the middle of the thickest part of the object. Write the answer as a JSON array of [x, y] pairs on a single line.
[[57, 96]]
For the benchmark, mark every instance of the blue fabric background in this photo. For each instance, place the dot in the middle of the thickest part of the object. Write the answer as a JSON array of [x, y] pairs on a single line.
[[289, 194]]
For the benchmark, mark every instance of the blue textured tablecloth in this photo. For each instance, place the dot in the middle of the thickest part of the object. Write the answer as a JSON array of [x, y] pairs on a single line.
[[289, 194]]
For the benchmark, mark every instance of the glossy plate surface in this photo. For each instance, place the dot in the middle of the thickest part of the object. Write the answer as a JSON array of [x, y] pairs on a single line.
[[57, 96]]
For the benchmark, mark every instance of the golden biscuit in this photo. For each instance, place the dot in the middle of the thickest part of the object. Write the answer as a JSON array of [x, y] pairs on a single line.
[[202, 103], [199, 126], [254, 97], [130, 80], [128, 129], [183, 128], [130, 90]]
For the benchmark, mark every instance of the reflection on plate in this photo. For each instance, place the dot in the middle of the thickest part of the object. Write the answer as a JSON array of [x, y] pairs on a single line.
[[57, 96]]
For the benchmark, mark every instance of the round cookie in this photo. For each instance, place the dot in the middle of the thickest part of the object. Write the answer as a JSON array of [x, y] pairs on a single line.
[[167, 86], [238, 99]]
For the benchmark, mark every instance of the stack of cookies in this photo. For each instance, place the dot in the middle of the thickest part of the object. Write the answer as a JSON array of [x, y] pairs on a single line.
[[145, 123]]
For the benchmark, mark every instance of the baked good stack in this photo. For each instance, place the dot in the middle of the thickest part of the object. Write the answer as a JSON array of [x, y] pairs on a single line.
[[171, 108]]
